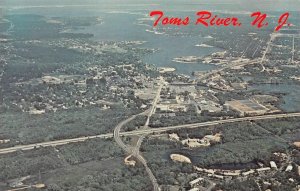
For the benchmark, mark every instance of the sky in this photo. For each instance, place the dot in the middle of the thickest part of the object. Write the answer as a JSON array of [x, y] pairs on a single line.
[[244, 5]]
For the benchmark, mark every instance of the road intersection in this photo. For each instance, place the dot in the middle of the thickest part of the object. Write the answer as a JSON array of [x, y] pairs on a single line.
[[144, 131]]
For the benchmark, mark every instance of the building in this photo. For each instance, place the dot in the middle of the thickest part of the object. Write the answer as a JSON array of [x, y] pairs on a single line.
[[273, 165], [239, 86], [207, 105], [263, 169], [51, 80], [246, 107], [180, 158], [194, 189], [289, 168], [145, 94], [4, 141], [195, 182], [174, 137], [171, 107], [297, 144], [247, 173]]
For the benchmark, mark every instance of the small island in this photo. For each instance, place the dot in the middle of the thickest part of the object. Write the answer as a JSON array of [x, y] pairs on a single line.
[[188, 59]]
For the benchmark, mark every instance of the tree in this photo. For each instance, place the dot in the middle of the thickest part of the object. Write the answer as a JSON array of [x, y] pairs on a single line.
[[53, 187]]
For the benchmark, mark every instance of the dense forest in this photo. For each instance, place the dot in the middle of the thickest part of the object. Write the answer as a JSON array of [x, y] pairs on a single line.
[[91, 165]]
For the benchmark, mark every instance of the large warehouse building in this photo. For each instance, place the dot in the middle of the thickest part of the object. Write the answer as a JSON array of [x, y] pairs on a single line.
[[247, 107]]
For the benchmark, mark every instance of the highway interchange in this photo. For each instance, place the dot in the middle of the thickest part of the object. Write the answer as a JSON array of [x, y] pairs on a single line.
[[144, 131], [134, 151]]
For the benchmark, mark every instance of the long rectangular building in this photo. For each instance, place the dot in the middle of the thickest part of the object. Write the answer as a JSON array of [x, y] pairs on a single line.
[[247, 107]]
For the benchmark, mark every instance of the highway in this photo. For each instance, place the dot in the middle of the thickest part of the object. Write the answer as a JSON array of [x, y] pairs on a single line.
[[269, 43], [52, 143], [117, 130], [130, 150], [152, 111], [144, 131], [136, 150]]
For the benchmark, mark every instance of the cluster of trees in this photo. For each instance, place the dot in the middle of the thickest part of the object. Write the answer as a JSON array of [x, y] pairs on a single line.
[[153, 144], [242, 145], [96, 149], [281, 126], [168, 172], [282, 179], [241, 131], [157, 153], [25, 128], [43, 159], [20, 164], [90, 165], [118, 179], [238, 153], [236, 185], [111, 176], [135, 124]]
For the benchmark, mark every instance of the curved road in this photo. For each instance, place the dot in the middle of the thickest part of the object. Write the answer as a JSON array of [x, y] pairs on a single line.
[[130, 150]]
